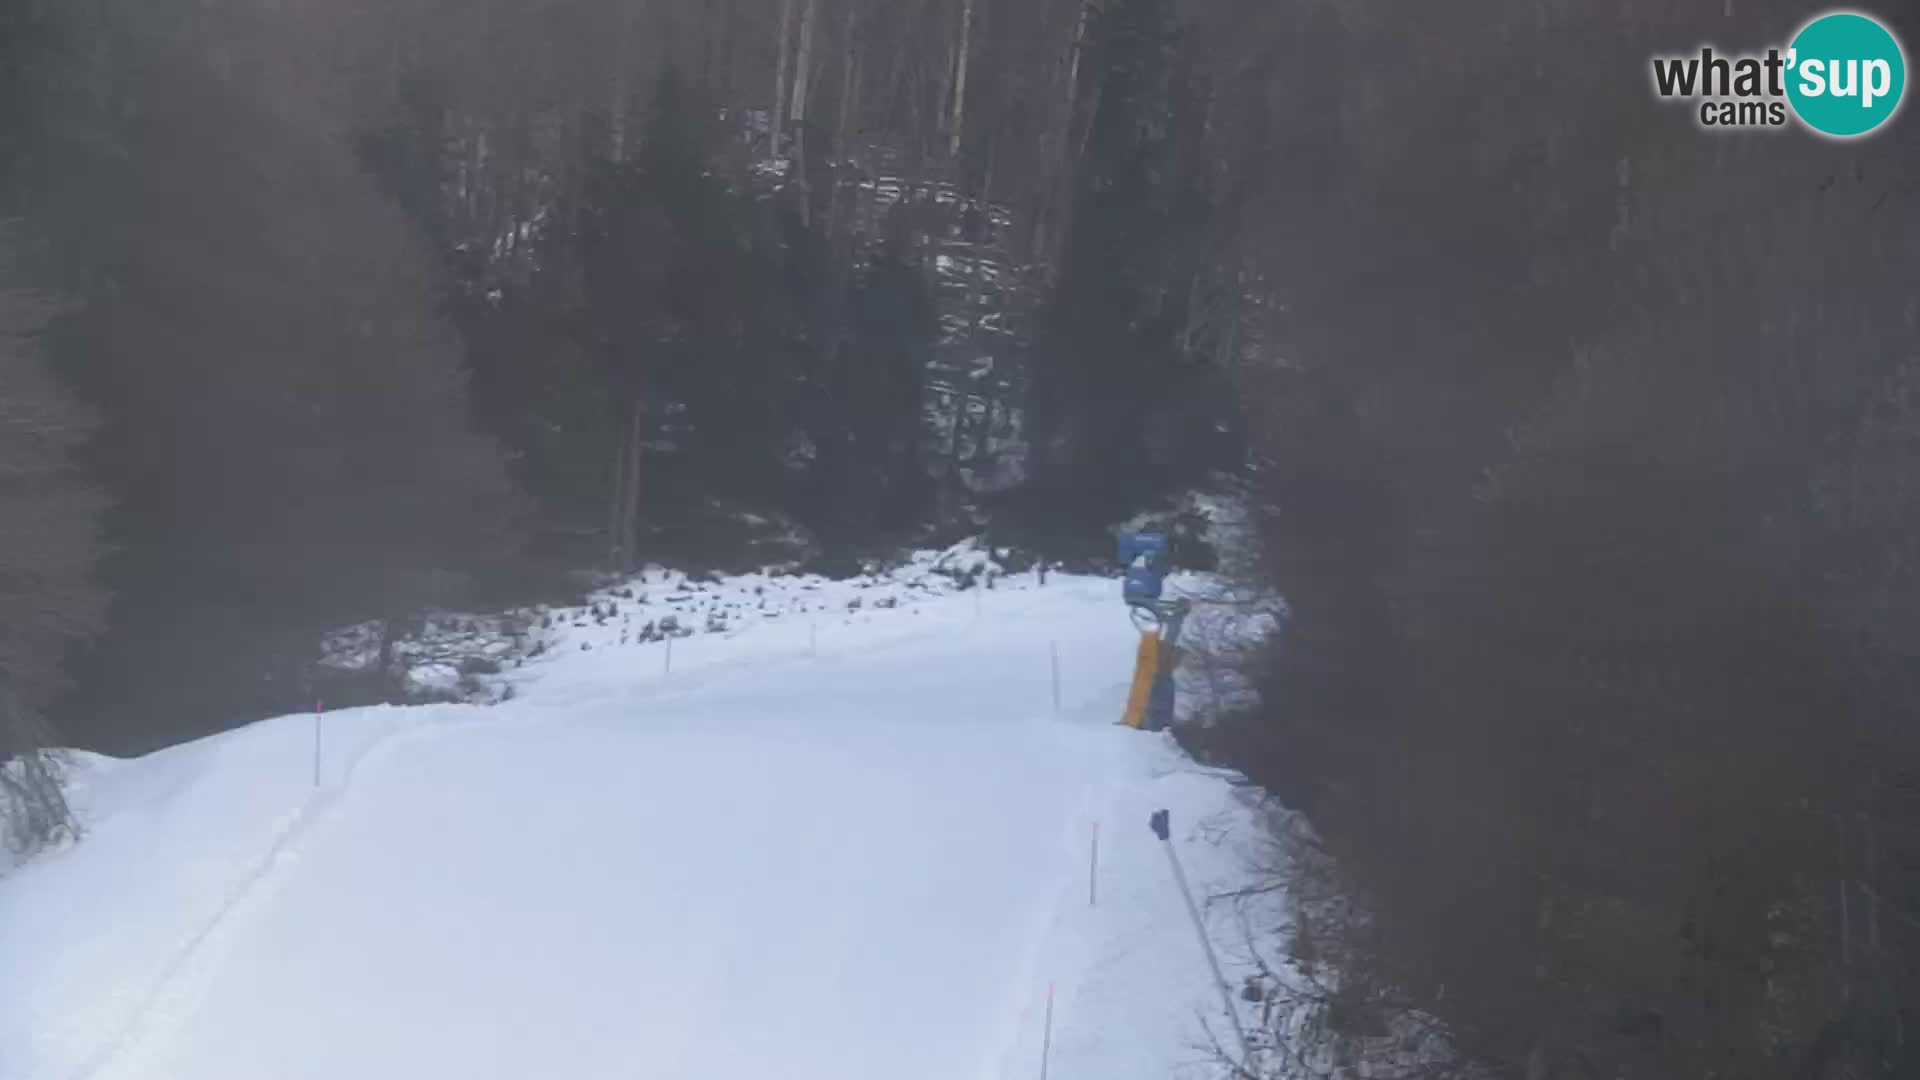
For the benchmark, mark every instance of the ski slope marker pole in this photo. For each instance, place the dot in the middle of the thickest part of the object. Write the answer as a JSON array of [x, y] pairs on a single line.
[[1047, 1032], [319, 707], [666, 664], [1053, 648], [1159, 823], [1093, 868]]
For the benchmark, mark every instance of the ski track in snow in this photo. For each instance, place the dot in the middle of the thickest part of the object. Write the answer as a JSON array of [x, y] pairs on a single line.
[[167, 1003]]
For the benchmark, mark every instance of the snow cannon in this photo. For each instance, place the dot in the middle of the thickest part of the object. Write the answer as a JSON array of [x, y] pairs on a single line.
[[1145, 561]]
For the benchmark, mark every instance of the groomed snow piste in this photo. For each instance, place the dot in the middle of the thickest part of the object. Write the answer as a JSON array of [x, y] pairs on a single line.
[[839, 845]]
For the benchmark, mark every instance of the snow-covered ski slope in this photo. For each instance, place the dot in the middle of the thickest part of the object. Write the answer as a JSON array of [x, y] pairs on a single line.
[[846, 849]]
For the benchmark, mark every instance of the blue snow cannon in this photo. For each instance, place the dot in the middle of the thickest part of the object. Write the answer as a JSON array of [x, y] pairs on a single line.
[[1144, 557]]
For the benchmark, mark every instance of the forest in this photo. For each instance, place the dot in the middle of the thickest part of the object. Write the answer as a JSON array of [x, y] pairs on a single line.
[[1577, 435], [352, 311]]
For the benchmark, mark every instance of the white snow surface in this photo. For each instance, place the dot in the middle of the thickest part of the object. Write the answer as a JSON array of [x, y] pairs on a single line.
[[836, 845]]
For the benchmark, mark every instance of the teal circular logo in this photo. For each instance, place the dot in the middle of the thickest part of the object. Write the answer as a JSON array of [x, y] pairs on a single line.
[[1846, 74]]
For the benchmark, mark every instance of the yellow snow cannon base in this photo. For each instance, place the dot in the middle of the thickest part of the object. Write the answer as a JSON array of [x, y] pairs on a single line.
[[1146, 668]]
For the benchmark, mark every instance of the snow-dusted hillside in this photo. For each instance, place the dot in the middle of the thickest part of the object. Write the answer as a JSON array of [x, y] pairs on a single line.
[[846, 838]]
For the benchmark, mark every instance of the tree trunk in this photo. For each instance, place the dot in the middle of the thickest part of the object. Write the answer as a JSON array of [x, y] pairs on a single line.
[[1073, 74], [1055, 183], [780, 79], [1064, 184], [902, 87], [802, 76], [849, 85], [616, 506], [986, 182], [1846, 940], [706, 48], [632, 515], [724, 91], [797, 113], [622, 59], [390, 630], [942, 104], [960, 78]]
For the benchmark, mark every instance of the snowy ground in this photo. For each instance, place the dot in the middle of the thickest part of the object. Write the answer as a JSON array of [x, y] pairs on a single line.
[[835, 844]]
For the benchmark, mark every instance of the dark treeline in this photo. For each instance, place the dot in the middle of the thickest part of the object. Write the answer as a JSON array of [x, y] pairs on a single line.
[[1588, 477], [283, 434], [343, 312]]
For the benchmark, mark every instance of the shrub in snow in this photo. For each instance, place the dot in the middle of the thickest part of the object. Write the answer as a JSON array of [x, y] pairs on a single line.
[[965, 563], [33, 807]]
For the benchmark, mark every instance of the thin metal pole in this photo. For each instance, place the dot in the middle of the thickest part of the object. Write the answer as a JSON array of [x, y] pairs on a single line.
[[1093, 869], [1846, 945], [1206, 945], [1046, 1038]]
